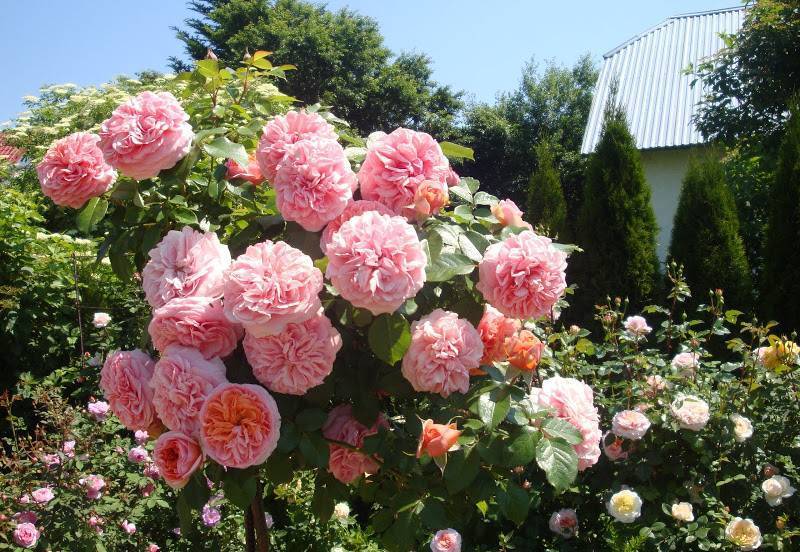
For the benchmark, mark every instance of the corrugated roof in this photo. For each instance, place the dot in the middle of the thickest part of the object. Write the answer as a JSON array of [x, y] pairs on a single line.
[[657, 96]]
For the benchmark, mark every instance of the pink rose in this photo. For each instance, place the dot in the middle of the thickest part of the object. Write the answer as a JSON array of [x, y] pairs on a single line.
[[630, 424], [26, 517], [177, 457], [96, 523], [613, 448], [508, 214], [94, 485], [51, 460], [68, 448], [271, 285], [314, 183], [210, 515], [25, 499], [523, 276], [353, 209], [26, 535], [138, 455], [98, 410], [376, 262], [690, 412], [196, 322], [73, 170], [655, 386], [637, 326], [564, 523], [452, 178], [43, 495], [573, 401], [153, 547], [345, 464], [395, 166], [128, 527], [240, 425], [125, 381], [141, 436], [495, 329], [151, 470], [446, 540], [685, 364], [251, 173], [181, 382], [286, 130], [430, 197], [298, 358], [444, 348], [185, 263], [146, 134]]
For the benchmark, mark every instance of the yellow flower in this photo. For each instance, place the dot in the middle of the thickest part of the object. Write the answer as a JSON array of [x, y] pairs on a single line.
[[743, 533], [778, 353]]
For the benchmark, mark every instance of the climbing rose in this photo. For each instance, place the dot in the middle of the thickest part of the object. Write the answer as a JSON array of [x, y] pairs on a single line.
[[314, 183], [197, 322], [637, 326], [495, 329], [353, 209], [250, 172], [177, 457], [625, 506], [743, 533], [285, 130], [436, 439], [98, 410], [690, 412], [348, 465], [630, 424], [523, 276], [446, 540], [240, 425], [68, 448], [524, 350], [94, 485], [125, 381], [508, 214], [444, 348], [564, 523], [397, 164], [73, 170], [101, 319], [271, 285], [146, 134], [376, 262], [181, 381], [298, 358], [26, 535], [186, 263]]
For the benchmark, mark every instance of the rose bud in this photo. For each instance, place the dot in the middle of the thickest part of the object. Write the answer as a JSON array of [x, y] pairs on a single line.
[[437, 439], [524, 351]]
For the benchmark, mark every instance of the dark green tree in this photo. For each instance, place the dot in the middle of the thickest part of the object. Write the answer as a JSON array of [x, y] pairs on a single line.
[[616, 225], [546, 205], [705, 235], [340, 57], [780, 293]]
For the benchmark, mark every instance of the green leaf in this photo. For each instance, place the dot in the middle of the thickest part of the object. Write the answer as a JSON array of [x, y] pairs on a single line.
[[448, 265], [196, 492], [239, 489], [185, 516], [484, 198], [522, 447], [471, 184], [278, 468], [91, 214], [473, 245], [314, 449], [462, 469], [492, 413], [389, 337], [461, 193], [454, 151], [562, 429], [120, 263], [514, 503], [323, 503], [310, 419], [184, 215], [224, 148], [559, 462]]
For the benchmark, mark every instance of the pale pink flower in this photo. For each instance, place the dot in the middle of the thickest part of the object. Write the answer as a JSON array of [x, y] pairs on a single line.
[[141, 436], [94, 485], [153, 547], [685, 364], [146, 134], [395, 166], [101, 319], [345, 464], [26, 516], [271, 285], [128, 527], [125, 381], [298, 358], [68, 448], [96, 523], [26, 535], [197, 322], [177, 456], [637, 326], [211, 516], [655, 385], [251, 172], [185, 263], [376, 262], [73, 170], [495, 329], [446, 540], [564, 523], [138, 455], [690, 412], [25, 499], [151, 471], [452, 177], [51, 460], [353, 209], [181, 381], [613, 448], [98, 410], [523, 276], [630, 424], [508, 214], [43, 495]]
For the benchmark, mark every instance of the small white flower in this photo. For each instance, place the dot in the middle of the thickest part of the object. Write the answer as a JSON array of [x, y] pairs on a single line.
[[625, 506], [341, 510], [776, 488], [743, 533], [268, 520], [101, 319], [683, 511], [742, 428]]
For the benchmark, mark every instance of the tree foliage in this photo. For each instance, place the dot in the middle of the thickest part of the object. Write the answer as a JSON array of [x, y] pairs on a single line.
[[546, 204]]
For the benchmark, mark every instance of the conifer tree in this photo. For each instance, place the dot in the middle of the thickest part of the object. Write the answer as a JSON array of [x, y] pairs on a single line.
[[546, 204]]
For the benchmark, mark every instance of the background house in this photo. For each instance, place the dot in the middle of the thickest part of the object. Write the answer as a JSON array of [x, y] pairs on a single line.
[[660, 101]]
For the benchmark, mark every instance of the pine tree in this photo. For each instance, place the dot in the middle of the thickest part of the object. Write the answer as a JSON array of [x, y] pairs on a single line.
[[705, 235], [546, 204], [780, 293], [616, 225]]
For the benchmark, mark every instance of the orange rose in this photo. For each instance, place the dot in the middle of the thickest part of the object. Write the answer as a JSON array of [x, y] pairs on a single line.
[[437, 439], [524, 350]]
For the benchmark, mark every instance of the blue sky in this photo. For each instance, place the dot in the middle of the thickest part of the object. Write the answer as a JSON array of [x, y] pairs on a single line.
[[476, 45]]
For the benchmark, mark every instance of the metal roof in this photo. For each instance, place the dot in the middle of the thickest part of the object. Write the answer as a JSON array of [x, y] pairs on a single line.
[[656, 94]]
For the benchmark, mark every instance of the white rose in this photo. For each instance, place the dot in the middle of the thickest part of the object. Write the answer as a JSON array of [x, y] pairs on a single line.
[[743, 533], [625, 506], [742, 428], [691, 412], [683, 511], [341, 510], [101, 319], [776, 488], [685, 364]]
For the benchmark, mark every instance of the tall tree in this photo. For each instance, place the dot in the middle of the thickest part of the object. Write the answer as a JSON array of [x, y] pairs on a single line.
[[705, 235], [340, 56], [546, 205]]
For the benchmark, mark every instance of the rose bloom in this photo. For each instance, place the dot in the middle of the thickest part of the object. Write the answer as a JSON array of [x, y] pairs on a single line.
[[240, 425], [625, 506], [73, 170], [495, 329], [564, 523], [101, 319], [341, 510], [151, 470], [128, 527], [138, 455], [637, 326], [68, 448], [251, 172], [630, 424], [523, 276], [353, 209], [524, 350], [181, 381], [98, 410], [778, 353], [146, 134], [196, 322], [152, 547], [686, 364], [444, 348], [446, 540], [430, 197], [397, 164], [211, 516], [270, 286], [776, 488], [683, 511], [26, 517], [655, 385], [742, 428], [94, 485], [573, 401], [376, 262], [185, 263], [298, 358], [314, 183], [508, 214], [348, 465], [125, 381], [436, 439], [613, 448], [452, 177], [43, 495], [141, 436], [51, 460], [26, 535], [96, 523], [691, 412], [285, 130], [743, 533], [177, 457]]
